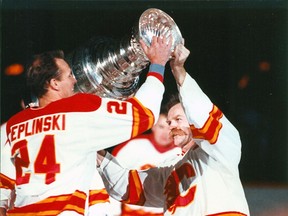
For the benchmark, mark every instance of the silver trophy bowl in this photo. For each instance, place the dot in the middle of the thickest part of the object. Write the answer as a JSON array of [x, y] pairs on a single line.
[[109, 68]]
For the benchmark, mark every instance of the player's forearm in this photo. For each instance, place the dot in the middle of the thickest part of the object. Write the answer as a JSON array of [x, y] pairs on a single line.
[[179, 74], [121, 183], [181, 54], [202, 113], [151, 92], [196, 103], [114, 176]]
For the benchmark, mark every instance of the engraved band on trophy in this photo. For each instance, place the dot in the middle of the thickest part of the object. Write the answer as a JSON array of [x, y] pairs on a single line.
[[112, 70]]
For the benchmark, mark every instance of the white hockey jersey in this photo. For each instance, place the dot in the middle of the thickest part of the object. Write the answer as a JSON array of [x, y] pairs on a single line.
[[204, 182], [54, 147], [99, 200], [7, 167], [142, 153]]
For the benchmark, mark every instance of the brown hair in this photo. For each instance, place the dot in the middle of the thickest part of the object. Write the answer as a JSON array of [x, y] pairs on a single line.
[[43, 68], [173, 100]]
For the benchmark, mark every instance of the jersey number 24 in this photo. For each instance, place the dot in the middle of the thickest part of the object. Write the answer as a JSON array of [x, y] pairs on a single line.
[[45, 162]]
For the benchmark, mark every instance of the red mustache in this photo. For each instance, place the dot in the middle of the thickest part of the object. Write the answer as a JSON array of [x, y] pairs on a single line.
[[177, 131]]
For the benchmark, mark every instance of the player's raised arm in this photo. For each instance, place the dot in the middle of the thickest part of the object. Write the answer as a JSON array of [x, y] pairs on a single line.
[[137, 187], [180, 56], [150, 93], [209, 167]]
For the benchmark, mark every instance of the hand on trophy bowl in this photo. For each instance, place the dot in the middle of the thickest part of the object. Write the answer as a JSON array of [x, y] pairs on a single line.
[[155, 22], [112, 70]]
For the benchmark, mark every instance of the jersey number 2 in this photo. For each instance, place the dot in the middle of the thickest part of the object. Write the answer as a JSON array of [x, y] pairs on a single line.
[[45, 162]]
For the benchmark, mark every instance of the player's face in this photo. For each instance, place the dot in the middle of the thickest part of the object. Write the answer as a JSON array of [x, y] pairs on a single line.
[[179, 126], [67, 79], [161, 131]]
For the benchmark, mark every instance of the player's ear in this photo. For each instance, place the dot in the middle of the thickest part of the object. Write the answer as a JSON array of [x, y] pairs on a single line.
[[54, 83]]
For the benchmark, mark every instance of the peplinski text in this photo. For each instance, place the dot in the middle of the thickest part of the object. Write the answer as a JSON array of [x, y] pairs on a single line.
[[39, 125]]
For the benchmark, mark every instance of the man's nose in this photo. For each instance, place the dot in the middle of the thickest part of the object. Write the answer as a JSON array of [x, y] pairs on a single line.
[[172, 125], [75, 80]]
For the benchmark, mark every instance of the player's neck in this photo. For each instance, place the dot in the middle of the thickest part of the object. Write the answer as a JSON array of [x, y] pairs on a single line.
[[188, 146], [46, 99]]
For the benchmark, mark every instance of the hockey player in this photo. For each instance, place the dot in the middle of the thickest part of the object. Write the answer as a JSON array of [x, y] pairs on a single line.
[[51, 145], [143, 152], [206, 179]]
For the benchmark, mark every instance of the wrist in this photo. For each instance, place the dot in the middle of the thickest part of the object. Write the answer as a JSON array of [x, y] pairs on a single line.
[[157, 71], [179, 74], [158, 68], [178, 69]]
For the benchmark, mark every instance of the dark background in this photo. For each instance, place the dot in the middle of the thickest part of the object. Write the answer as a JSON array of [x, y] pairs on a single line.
[[229, 41]]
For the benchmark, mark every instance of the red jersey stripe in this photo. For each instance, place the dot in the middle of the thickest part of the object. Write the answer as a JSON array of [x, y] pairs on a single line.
[[228, 214], [98, 196], [70, 104], [143, 115], [136, 192], [157, 75], [6, 182], [53, 205], [127, 211], [210, 130]]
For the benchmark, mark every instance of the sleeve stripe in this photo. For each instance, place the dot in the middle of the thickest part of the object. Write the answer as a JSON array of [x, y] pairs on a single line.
[[135, 128], [6, 182], [53, 205], [228, 214], [98, 196], [127, 210], [143, 115], [210, 130], [157, 75], [136, 193]]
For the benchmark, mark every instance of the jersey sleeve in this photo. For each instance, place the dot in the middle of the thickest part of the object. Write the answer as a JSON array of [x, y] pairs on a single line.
[[150, 97], [137, 187], [212, 131], [7, 174], [56, 144], [86, 120], [142, 112]]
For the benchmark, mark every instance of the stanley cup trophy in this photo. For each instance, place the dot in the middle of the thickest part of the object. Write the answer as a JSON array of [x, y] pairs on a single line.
[[102, 68]]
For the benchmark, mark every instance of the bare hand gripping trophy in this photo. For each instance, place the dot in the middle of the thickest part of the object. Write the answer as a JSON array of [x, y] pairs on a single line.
[[115, 74]]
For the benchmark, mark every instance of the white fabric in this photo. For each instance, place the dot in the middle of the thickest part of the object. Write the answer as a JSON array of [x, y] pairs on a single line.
[[207, 177], [140, 153], [7, 167], [74, 132]]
